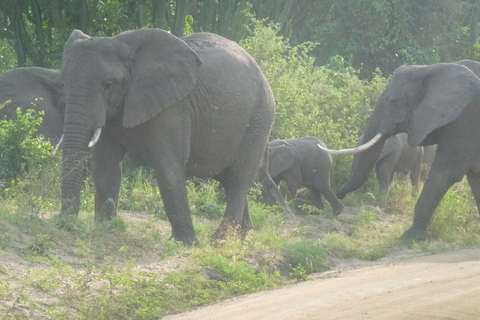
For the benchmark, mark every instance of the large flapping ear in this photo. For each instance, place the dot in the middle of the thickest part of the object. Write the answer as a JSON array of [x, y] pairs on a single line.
[[448, 89], [281, 158], [164, 71], [76, 35]]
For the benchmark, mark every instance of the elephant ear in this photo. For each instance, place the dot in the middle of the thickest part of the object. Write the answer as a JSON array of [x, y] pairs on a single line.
[[448, 89], [164, 70], [281, 158]]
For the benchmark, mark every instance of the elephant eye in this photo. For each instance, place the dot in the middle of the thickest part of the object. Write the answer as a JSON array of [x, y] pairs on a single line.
[[108, 85]]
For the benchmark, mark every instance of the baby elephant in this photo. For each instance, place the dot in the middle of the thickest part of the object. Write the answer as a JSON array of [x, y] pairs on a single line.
[[397, 156], [300, 163]]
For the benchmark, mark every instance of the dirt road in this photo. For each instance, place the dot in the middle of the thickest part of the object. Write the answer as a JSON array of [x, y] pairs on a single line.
[[441, 286]]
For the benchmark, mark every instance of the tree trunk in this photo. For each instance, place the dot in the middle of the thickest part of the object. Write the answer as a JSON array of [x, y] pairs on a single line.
[[159, 14], [179, 21]]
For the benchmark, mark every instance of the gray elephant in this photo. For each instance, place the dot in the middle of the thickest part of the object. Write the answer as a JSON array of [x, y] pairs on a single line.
[[396, 156], [192, 106], [34, 88], [435, 104], [300, 163]]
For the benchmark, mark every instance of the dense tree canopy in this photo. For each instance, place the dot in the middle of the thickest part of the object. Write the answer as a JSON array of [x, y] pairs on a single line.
[[369, 34]]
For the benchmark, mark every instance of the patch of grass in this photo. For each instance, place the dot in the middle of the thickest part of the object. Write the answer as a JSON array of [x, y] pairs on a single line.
[[309, 254], [42, 245]]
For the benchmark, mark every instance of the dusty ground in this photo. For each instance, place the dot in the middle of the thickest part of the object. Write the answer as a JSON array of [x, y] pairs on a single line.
[[441, 286]]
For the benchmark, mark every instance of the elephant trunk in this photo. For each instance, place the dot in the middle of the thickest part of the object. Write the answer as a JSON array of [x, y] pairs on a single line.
[[78, 129], [363, 164]]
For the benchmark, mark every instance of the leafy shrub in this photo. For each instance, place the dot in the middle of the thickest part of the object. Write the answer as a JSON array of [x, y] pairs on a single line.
[[20, 149]]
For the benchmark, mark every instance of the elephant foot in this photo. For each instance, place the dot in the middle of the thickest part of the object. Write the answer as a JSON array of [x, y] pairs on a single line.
[[338, 209], [105, 211], [415, 233], [70, 207], [68, 222], [226, 231], [187, 242], [302, 211], [341, 194]]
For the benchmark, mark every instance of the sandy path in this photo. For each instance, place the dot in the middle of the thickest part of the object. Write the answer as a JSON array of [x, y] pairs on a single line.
[[441, 286]]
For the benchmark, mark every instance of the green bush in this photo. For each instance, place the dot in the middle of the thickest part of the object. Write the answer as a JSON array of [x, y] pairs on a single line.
[[20, 149]]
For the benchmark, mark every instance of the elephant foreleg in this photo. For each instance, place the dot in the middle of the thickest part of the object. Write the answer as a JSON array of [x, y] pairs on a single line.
[[316, 198], [385, 169], [171, 182], [107, 175], [437, 184]]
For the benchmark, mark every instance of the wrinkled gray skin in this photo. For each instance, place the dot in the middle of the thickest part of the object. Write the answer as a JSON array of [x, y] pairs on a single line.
[[396, 156], [435, 104], [38, 89], [192, 106], [300, 163]]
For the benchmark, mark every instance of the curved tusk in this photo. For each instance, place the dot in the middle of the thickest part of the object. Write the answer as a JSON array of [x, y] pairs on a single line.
[[358, 149], [58, 147], [96, 136]]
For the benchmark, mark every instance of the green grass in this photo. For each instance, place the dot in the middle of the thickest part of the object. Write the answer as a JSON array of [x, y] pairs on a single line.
[[128, 269]]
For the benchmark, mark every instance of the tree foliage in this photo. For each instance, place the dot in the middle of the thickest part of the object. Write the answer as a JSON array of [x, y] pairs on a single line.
[[20, 148], [370, 34]]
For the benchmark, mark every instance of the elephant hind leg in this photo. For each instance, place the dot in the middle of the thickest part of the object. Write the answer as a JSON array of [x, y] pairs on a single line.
[[385, 169], [337, 206], [316, 198]]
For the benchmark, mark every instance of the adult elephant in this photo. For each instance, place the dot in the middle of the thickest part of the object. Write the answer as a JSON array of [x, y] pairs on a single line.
[[396, 156], [300, 163], [435, 104], [34, 88], [192, 106]]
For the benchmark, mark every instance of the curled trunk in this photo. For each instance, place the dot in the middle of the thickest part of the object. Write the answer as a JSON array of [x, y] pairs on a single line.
[[363, 164]]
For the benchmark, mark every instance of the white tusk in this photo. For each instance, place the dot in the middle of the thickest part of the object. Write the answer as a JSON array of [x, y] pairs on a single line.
[[358, 149], [96, 136], [58, 147]]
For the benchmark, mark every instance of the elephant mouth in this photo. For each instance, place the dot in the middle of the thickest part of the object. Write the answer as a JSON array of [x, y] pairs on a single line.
[[93, 141]]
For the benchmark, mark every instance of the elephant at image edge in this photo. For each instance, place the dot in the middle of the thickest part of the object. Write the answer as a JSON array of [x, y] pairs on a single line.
[[435, 104], [192, 106], [300, 163], [34, 88], [396, 156]]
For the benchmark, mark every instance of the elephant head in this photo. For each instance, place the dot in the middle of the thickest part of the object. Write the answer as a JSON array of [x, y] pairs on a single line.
[[419, 100], [34, 88], [282, 157], [134, 75]]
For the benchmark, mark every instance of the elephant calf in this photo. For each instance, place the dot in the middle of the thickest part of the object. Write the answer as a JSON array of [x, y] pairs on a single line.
[[300, 163], [397, 156]]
